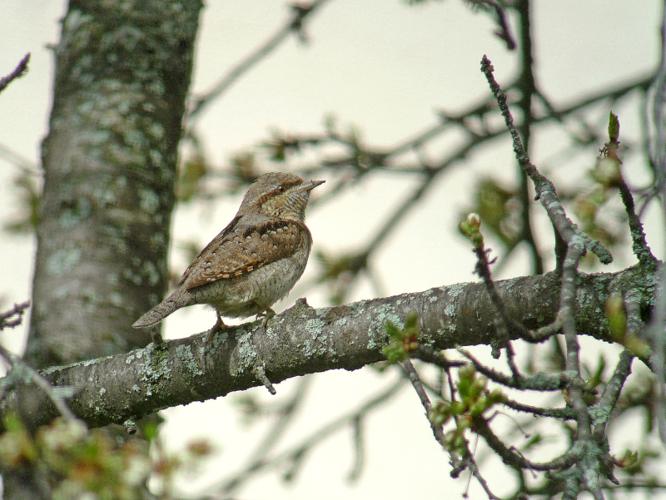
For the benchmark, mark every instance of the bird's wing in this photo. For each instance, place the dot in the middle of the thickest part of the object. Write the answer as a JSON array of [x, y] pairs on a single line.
[[207, 249], [239, 250]]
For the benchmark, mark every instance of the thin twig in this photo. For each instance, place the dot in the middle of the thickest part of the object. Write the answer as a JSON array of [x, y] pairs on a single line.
[[293, 25], [544, 188], [274, 433], [513, 458], [559, 413], [541, 382], [310, 441], [18, 365], [527, 87], [19, 161], [612, 390], [14, 316], [415, 380], [18, 72], [359, 450], [468, 460]]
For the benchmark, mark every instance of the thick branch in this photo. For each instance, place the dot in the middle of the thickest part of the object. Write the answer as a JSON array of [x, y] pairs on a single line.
[[304, 340]]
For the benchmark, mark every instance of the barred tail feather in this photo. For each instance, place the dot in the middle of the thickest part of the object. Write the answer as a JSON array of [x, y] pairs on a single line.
[[178, 299]]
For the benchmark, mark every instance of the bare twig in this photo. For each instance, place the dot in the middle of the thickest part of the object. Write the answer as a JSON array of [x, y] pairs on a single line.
[[544, 188], [359, 450], [513, 458], [14, 316], [15, 158], [294, 25], [274, 433], [527, 87], [612, 390], [54, 393], [639, 241], [540, 382], [467, 461], [11, 319], [611, 152], [18, 72], [559, 413], [310, 441], [415, 380]]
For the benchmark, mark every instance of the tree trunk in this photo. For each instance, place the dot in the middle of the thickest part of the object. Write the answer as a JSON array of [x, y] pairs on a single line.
[[109, 159], [121, 76]]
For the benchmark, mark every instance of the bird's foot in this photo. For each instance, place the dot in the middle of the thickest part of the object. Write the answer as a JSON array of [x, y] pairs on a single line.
[[217, 327], [156, 336], [265, 315], [219, 324]]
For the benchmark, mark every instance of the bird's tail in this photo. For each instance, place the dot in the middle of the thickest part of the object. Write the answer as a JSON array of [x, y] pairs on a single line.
[[178, 299]]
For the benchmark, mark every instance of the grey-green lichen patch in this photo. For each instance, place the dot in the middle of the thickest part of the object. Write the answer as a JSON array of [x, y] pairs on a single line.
[[450, 309], [157, 369], [316, 342], [72, 217], [158, 240], [63, 261], [215, 342], [116, 299], [185, 355], [245, 355], [149, 201], [314, 326], [156, 131], [95, 138], [377, 333], [134, 356], [75, 20], [132, 277], [456, 290], [127, 37], [600, 415], [155, 156], [342, 321], [119, 154], [152, 273], [272, 332]]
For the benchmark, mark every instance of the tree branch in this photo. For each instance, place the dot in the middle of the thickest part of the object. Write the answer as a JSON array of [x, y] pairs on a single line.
[[17, 72], [304, 340]]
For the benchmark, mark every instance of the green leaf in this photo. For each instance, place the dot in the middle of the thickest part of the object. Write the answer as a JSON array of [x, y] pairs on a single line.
[[613, 127], [401, 340]]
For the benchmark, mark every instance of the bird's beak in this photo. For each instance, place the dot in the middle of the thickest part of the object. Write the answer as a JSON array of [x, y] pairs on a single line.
[[310, 185]]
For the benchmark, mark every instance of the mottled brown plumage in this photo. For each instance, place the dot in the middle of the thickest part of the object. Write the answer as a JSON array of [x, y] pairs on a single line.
[[255, 260]]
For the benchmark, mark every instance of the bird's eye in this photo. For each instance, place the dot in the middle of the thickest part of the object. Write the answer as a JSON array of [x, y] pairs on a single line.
[[280, 189]]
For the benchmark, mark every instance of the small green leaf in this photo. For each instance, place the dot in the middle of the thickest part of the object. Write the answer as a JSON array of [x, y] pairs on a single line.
[[617, 318], [401, 340], [470, 229], [613, 127]]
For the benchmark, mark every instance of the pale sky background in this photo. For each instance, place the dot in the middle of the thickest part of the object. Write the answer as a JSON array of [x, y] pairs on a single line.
[[385, 68]]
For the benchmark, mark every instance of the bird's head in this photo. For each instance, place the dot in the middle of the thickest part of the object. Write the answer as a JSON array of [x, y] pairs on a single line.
[[279, 194]]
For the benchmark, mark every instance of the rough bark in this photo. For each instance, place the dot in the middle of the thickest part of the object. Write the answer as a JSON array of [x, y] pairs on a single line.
[[122, 71], [304, 340], [109, 160]]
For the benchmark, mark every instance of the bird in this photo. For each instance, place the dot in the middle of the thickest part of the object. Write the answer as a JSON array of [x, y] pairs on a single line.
[[254, 261]]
